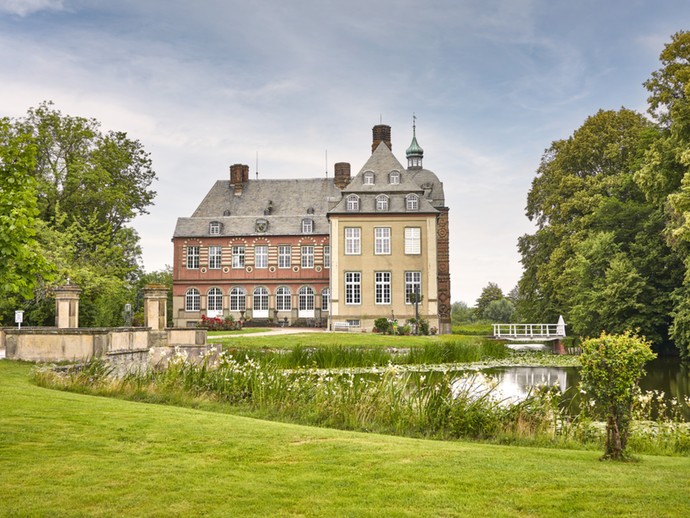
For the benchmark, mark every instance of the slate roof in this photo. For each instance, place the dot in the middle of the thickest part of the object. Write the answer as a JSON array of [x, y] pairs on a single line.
[[382, 162], [291, 201]]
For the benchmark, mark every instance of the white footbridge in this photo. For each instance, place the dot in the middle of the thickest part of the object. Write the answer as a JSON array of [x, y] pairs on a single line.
[[530, 332]]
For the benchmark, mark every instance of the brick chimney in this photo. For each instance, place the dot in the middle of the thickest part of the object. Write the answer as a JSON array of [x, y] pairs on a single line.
[[381, 133], [239, 173], [342, 174]]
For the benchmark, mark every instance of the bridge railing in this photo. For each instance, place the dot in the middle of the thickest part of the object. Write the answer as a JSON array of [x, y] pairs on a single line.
[[528, 330]]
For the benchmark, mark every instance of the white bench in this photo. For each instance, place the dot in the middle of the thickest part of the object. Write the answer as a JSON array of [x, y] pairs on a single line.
[[341, 326]]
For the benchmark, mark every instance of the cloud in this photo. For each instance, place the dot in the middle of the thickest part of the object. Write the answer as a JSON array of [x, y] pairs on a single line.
[[27, 7]]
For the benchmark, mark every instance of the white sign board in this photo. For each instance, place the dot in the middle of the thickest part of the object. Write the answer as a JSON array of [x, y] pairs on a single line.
[[19, 317]]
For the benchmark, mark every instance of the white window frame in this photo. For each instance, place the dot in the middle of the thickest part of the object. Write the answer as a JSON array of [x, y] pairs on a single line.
[[238, 299], [382, 203], [193, 254], [326, 256], [382, 288], [412, 279], [368, 178], [283, 299], [413, 240], [353, 241], [214, 228], [284, 256], [325, 299], [382, 240], [307, 226], [260, 299], [214, 300], [261, 256], [307, 254], [352, 203], [353, 288], [238, 256], [412, 202], [305, 298], [215, 257], [394, 178], [192, 300]]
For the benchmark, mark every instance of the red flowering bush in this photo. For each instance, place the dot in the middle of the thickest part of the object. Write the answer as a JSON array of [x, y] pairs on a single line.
[[219, 324]]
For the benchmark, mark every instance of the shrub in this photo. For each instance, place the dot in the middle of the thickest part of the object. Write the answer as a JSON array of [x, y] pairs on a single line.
[[382, 325], [219, 324], [612, 366]]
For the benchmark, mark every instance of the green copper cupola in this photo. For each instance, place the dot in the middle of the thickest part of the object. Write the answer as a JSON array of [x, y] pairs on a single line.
[[414, 153]]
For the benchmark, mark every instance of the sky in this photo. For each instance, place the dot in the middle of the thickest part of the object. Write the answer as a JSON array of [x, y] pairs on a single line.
[[300, 84]]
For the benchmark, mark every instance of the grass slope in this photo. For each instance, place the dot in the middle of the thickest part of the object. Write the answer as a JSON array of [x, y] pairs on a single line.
[[64, 454]]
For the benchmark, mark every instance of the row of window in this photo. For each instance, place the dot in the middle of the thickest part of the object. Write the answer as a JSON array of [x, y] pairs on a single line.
[[238, 297], [382, 287], [307, 226], [393, 178], [382, 202], [382, 240], [215, 256]]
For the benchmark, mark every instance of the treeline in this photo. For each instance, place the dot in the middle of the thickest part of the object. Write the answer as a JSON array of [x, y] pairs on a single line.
[[68, 192], [612, 209]]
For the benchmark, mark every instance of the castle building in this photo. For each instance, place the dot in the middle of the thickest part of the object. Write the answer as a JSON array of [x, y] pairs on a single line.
[[330, 251]]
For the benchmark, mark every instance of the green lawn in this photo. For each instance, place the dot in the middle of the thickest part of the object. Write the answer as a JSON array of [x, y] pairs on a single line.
[[330, 339], [243, 331], [65, 454]]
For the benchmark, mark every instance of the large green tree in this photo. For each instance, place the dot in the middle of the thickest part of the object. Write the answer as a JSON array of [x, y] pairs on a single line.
[[88, 186]]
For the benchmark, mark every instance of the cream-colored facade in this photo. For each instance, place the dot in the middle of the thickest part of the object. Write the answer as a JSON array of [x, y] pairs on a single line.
[[396, 262]]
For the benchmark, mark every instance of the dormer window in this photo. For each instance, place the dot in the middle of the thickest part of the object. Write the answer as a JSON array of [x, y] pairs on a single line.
[[394, 178], [382, 203], [307, 226], [412, 202], [214, 228], [369, 178], [353, 203]]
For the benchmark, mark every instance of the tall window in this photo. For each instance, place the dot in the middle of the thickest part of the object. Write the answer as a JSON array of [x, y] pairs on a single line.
[[237, 299], [306, 298], [368, 178], [382, 287], [307, 226], [308, 256], [326, 256], [413, 284], [394, 177], [353, 288], [193, 257], [284, 255], [353, 203], [325, 299], [413, 240], [412, 202], [214, 299], [283, 299], [382, 203], [192, 300], [214, 228], [261, 256], [382, 240], [238, 257], [214, 257], [352, 241], [260, 299]]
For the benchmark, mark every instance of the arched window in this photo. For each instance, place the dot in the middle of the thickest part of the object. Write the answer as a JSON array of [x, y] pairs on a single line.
[[306, 300], [394, 177], [283, 299], [412, 202], [237, 299], [353, 203], [369, 178], [214, 300], [325, 299], [192, 300], [382, 203], [260, 302]]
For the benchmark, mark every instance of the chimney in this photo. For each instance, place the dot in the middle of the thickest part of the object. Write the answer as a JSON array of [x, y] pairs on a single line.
[[342, 174], [237, 176], [381, 133]]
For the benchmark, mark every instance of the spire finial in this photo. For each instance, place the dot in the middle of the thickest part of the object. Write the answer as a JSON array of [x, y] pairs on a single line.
[[414, 124]]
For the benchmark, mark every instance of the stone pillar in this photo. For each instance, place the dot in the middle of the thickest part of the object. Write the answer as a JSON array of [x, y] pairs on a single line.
[[67, 306], [443, 276], [155, 306]]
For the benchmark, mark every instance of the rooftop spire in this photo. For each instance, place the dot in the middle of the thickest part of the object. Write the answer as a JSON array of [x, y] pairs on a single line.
[[414, 153]]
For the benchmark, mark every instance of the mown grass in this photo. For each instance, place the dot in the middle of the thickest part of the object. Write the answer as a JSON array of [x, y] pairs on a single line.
[[473, 328], [66, 454], [243, 331]]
